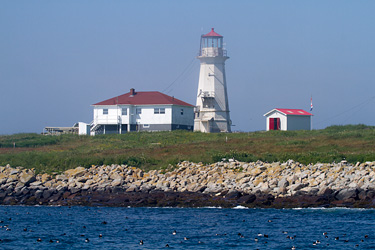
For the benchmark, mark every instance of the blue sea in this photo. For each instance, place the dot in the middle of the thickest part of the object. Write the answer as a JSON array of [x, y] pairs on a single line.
[[42, 227]]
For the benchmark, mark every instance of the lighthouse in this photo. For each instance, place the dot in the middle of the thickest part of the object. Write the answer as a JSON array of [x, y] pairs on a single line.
[[212, 109]]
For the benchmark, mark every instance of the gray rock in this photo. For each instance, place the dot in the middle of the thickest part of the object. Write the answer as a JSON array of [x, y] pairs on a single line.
[[3, 181], [296, 187], [38, 194], [116, 182], [74, 190], [26, 178], [47, 193], [132, 188], [283, 183], [325, 191], [233, 194], [61, 177], [347, 194]]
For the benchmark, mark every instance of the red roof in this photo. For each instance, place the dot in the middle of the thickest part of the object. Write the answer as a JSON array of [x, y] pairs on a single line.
[[212, 33], [293, 112], [143, 98]]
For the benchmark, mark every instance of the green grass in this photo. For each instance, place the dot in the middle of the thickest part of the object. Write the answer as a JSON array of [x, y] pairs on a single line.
[[156, 150]]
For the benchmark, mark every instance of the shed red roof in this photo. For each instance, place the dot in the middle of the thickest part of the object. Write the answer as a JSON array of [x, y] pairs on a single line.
[[294, 112], [143, 98], [212, 33]]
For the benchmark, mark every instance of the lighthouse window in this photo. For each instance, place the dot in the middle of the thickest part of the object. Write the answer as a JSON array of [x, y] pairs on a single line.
[[105, 111], [124, 111], [138, 111], [182, 111]]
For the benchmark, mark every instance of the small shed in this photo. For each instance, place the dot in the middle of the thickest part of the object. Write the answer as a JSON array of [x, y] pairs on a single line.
[[288, 119]]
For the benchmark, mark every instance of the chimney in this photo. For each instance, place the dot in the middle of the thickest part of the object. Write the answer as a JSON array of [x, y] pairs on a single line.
[[132, 91]]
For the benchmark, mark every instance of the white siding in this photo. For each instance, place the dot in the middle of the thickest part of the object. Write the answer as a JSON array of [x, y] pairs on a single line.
[[283, 120], [148, 116], [113, 117]]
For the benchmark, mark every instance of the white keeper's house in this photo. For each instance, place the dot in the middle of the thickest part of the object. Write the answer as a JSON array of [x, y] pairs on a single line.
[[141, 111], [288, 119]]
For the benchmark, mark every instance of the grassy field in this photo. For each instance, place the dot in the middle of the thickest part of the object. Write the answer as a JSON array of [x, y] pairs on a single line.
[[156, 150]]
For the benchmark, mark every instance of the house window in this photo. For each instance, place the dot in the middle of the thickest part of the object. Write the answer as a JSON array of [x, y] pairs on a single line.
[[146, 125], [182, 111], [124, 111], [159, 110], [105, 111], [138, 111]]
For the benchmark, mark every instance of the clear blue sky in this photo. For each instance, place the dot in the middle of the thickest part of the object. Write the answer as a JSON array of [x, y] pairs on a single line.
[[59, 57]]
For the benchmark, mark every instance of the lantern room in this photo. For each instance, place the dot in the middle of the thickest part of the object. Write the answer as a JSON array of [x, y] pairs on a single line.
[[212, 45]]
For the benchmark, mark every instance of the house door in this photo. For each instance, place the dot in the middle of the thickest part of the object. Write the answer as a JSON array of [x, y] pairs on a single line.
[[274, 124]]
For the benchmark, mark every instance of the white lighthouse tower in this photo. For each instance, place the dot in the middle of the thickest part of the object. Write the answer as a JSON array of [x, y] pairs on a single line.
[[212, 110]]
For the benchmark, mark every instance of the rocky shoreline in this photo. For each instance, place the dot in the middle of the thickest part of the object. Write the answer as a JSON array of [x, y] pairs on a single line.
[[223, 184]]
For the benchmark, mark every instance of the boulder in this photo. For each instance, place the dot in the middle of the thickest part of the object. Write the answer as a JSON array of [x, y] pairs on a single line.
[[283, 183], [296, 187], [61, 177], [233, 194], [247, 199], [347, 193], [38, 194], [27, 178], [116, 182], [77, 172]]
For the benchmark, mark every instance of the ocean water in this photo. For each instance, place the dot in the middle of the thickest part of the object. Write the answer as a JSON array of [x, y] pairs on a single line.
[[195, 228]]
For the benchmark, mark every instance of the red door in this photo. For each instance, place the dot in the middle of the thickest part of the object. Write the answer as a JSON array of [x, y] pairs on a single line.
[[274, 124], [271, 124]]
